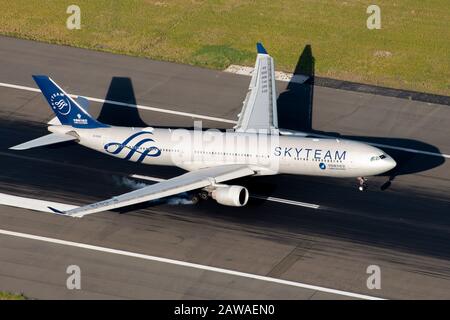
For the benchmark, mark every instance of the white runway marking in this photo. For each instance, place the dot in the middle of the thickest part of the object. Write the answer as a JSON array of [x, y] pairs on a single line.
[[186, 264], [279, 75], [154, 179], [286, 201], [410, 150], [199, 116], [123, 104], [428, 153]]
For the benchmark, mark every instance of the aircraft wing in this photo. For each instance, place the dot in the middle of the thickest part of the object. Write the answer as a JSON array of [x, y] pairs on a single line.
[[186, 182], [259, 109]]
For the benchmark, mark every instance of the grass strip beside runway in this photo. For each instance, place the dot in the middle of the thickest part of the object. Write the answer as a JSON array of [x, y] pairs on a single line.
[[11, 296], [410, 51]]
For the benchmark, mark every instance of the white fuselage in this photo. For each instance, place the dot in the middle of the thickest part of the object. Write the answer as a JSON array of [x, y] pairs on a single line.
[[266, 154]]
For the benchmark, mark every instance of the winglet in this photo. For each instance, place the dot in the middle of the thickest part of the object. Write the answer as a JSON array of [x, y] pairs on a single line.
[[56, 211], [260, 48]]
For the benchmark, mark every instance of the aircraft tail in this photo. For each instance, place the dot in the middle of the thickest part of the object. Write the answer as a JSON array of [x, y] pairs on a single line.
[[69, 111]]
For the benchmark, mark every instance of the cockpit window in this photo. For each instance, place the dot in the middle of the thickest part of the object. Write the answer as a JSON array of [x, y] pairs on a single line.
[[374, 158]]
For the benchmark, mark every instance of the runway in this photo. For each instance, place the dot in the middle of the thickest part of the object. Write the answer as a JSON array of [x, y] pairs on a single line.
[[401, 224]]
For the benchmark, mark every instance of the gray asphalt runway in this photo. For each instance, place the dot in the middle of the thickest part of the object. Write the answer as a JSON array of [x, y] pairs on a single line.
[[401, 224]]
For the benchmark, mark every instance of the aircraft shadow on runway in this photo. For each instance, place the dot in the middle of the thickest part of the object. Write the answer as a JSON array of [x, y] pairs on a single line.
[[121, 90], [295, 112]]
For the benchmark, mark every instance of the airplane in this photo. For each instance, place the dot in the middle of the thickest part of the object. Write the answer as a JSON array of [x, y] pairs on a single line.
[[256, 146]]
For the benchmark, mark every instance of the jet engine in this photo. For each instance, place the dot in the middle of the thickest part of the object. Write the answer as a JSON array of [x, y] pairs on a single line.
[[235, 196]]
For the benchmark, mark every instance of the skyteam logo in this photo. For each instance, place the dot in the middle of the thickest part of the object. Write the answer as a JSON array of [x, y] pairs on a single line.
[[142, 147], [60, 103], [322, 166]]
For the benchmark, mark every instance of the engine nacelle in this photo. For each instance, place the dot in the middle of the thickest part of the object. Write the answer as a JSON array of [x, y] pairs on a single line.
[[235, 196]]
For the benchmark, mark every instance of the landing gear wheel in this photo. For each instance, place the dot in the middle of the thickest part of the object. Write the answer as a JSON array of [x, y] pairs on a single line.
[[195, 199], [203, 195], [362, 184]]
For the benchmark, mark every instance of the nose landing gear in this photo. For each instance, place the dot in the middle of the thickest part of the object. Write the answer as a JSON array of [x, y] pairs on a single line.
[[362, 183]]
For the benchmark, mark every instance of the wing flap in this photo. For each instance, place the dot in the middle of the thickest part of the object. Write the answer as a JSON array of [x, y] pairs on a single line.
[[186, 182]]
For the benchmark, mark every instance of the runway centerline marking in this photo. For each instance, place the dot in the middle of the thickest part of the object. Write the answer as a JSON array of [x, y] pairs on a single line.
[[287, 201], [129, 105], [186, 264], [147, 178], [199, 116]]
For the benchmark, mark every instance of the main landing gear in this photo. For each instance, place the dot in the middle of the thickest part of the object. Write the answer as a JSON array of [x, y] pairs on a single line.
[[204, 195], [362, 183], [196, 197]]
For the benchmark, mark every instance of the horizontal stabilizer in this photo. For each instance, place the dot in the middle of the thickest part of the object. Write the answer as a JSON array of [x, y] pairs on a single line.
[[54, 122], [51, 138]]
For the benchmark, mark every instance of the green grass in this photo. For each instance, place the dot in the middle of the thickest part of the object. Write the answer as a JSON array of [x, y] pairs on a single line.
[[11, 296], [216, 33]]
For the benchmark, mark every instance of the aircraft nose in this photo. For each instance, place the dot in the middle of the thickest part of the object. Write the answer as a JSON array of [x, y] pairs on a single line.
[[389, 163]]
